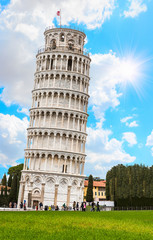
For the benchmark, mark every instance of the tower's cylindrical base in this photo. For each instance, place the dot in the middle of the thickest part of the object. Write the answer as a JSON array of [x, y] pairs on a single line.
[[50, 189]]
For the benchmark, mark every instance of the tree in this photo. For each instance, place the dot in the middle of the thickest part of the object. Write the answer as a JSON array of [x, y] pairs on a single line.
[[89, 197], [4, 180], [16, 170], [10, 180], [6, 191], [14, 190], [2, 192], [130, 186]]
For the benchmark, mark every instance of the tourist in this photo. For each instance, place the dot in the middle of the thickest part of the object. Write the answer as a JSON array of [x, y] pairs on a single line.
[[21, 205], [84, 206], [93, 206], [56, 208], [24, 206], [41, 206], [64, 206], [98, 209], [74, 205], [77, 206]]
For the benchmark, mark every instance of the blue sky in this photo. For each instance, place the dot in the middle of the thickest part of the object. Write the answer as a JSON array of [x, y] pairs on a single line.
[[119, 39]]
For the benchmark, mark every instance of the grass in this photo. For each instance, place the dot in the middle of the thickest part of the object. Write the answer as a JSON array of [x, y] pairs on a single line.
[[77, 225]]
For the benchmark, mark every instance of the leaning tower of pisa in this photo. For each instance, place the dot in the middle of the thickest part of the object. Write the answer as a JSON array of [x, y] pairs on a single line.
[[55, 153]]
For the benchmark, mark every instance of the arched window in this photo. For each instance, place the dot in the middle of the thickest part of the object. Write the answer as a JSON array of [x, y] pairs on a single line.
[[62, 37], [53, 44], [71, 44], [69, 67]]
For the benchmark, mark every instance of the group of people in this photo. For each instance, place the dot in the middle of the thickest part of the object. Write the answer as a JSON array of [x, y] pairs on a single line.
[[12, 205], [23, 205], [93, 207], [75, 207]]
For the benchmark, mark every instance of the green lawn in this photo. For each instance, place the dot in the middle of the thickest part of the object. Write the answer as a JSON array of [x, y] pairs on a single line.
[[76, 225]]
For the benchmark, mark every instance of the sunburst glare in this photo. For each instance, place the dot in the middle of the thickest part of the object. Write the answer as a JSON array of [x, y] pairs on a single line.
[[132, 71]]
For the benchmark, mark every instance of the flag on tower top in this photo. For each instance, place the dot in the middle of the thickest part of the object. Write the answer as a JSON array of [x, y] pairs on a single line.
[[58, 13]]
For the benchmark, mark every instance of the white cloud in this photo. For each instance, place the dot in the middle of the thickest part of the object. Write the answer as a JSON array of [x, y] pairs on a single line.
[[12, 138], [129, 124], [136, 7], [150, 139], [22, 24], [124, 120], [130, 137], [29, 30], [133, 124], [103, 151], [104, 80], [23, 110]]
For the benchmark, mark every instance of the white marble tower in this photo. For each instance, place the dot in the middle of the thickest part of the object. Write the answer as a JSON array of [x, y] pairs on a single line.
[[55, 154]]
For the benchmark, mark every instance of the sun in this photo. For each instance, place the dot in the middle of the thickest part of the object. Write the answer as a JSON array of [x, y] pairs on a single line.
[[131, 72]]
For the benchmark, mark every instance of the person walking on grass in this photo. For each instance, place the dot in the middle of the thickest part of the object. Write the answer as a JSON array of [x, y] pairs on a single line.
[[98, 209], [84, 206], [77, 206], [93, 206], [74, 205]]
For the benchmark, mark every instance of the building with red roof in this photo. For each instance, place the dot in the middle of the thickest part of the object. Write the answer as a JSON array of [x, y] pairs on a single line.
[[99, 190]]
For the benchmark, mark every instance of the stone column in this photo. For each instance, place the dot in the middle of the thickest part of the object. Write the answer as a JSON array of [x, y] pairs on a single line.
[[75, 102], [72, 145], [62, 120], [76, 145], [56, 119], [73, 122], [71, 83], [70, 165], [46, 163], [52, 163], [82, 170], [55, 62], [29, 198], [60, 147], [59, 164], [39, 163], [75, 170], [46, 99], [56, 193], [68, 196], [68, 122], [24, 167], [79, 167], [54, 81], [70, 101], [34, 163], [58, 100], [50, 121], [42, 192], [21, 193]]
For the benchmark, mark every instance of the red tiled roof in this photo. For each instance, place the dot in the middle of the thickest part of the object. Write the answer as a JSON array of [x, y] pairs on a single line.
[[96, 183], [4, 187]]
